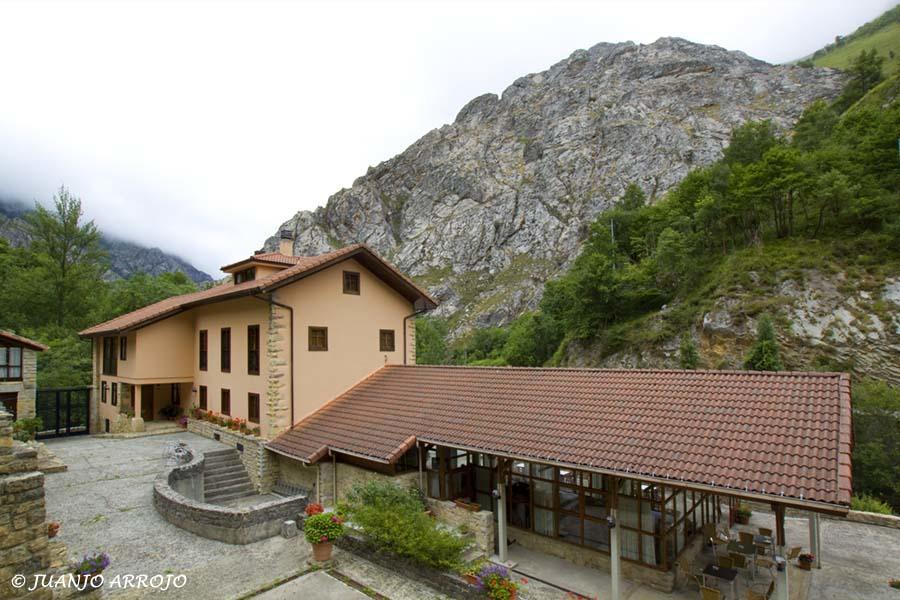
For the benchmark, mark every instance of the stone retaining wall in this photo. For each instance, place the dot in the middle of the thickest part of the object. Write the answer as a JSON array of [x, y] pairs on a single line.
[[448, 584], [859, 516], [171, 497], [480, 523], [261, 464], [25, 547]]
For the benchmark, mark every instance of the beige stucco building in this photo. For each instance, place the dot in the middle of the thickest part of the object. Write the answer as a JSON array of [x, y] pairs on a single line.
[[282, 337], [18, 374]]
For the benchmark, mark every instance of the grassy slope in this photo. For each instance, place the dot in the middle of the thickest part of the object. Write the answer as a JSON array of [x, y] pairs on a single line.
[[884, 40]]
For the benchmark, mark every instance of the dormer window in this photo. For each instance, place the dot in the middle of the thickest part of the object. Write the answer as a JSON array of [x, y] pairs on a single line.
[[351, 282], [245, 275]]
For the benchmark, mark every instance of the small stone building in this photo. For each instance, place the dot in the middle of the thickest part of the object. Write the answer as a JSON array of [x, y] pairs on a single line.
[[18, 374]]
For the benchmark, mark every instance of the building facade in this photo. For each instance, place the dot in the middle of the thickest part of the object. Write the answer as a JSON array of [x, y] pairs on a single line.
[[18, 374], [285, 335]]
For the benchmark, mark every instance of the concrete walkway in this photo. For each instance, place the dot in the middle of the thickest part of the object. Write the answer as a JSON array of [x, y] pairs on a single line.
[[318, 585]]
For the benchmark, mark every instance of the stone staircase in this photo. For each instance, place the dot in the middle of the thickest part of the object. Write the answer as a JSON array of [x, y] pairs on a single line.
[[224, 477]]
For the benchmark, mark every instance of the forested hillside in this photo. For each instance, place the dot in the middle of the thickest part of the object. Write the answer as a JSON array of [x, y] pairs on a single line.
[[56, 285], [881, 35]]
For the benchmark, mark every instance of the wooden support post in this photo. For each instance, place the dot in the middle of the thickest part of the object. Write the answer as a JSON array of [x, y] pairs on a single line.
[[421, 470], [779, 526]]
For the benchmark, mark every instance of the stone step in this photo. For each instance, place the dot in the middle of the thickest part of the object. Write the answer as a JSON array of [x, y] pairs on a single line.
[[229, 492], [214, 460], [222, 478], [218, 470], [228, 497]]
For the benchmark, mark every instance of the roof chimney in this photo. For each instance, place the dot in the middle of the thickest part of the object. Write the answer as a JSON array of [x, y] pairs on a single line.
[[286, 242]]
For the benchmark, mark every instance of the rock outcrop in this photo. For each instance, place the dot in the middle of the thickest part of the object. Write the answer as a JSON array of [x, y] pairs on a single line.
[[484, 210]]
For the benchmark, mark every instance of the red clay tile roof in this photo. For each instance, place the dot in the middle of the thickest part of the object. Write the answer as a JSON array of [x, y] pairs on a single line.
[[305, 265], [772, 436], [9, 336], [269, 257]]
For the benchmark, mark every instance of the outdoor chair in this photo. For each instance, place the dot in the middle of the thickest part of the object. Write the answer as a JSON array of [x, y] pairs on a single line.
[[689, 572], [746, 537], [739, 561], [762, 593], [793, 553], [765, 531], [763, 549], [710, 594], [754, 595], [766, 563], [725, 562]]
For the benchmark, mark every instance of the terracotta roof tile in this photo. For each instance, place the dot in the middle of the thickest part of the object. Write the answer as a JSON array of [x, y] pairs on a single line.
[[779, 434], [24, 341], [303, 265]]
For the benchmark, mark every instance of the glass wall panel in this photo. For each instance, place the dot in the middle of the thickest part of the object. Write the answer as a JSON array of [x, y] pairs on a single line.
[[544, 521], [650, 549], [628, 512], [595, 505], [543, 493], [568, 499], [570, 528], [629, 544], [596, 535]]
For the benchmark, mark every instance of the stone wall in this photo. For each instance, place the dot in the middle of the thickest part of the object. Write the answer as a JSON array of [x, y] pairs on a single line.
[[24, 545], [230, 525], [859, 516], [26, 390], [295, 473], [277, 356], [448, 584], [480, 523], [261, 466], [350, 475], [660, 580]]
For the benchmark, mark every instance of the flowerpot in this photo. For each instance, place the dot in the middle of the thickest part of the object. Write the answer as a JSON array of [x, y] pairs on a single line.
[[52, 529], [742, 519], [804, 564], [471, 579], [322, 551]]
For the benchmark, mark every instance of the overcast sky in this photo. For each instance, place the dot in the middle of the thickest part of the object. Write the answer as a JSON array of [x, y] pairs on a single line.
[[200, 127]]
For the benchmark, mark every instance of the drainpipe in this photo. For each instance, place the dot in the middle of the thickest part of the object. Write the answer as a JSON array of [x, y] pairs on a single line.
[[271, 300], [334, 479], [405, 319]]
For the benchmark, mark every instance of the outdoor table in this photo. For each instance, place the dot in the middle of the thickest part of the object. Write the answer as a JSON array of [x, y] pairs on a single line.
[[729, 575], [765, 539]]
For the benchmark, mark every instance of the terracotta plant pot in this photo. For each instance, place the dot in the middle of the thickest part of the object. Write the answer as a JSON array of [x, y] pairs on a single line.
[[806, 565], [742, 519], [471, 579], [322, 551], [52, 529]]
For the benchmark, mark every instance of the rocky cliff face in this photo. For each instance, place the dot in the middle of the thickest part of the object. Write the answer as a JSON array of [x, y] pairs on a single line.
[[125, 258], [484, 210]]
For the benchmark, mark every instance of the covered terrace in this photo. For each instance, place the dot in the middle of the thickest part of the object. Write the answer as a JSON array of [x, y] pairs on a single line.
[[631, 472]]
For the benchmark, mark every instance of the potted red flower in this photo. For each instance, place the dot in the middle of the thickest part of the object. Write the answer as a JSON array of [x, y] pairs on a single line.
[[321, 530], [805, 560]]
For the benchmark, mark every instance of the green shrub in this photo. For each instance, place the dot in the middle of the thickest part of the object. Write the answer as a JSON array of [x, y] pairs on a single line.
[[394, 519], [867, 503], [24, 430], [323, 527]]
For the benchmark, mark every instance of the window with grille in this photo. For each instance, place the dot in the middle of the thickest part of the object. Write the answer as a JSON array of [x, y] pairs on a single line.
[[386, 340], [253, 349], [351, 282], [226, 349], [10, 363], [253, 408], [204, 349], [318, 339], [226, 402]]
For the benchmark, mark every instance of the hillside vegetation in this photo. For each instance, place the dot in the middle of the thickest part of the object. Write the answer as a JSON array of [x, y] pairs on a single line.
[[881, 34]]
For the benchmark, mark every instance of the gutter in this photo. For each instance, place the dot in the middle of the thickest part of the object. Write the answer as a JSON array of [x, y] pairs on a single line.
[[405, 320], [290, 310]]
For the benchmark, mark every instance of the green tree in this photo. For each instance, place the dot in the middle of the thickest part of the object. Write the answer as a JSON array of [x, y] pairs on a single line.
[[876, 440], [865, 73], [140, 289], [673, 259], [750, 141], [431, 341], [764, 355], [68, 262], [688, 357], [814, 126], [634, 198], [532, 340]]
